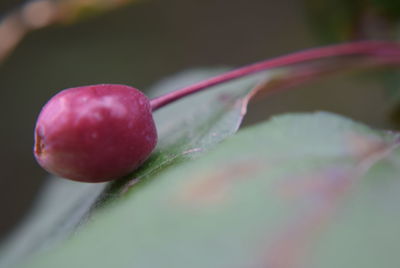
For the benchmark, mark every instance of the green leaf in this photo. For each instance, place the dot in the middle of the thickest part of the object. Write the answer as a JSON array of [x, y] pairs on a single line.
[[334, 20], [389, 8], [194, 124], [345, 20], [186, 129], [309, 190]]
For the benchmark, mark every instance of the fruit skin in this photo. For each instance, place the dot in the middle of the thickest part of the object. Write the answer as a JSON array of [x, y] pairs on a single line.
[[95, 133]]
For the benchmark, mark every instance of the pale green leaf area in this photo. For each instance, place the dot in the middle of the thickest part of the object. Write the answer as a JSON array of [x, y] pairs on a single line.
[[307, 190], [186, 129], [197, 122]]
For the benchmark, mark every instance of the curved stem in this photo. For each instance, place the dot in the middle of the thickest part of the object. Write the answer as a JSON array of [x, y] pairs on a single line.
[[372, 48]]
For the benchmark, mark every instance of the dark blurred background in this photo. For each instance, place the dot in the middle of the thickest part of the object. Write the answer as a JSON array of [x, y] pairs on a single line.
[[138, 44]]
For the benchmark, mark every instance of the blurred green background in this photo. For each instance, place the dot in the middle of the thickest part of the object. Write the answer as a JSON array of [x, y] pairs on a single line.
[[142, 42]]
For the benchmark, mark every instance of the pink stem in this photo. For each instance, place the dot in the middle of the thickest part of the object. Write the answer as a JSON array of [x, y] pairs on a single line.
[[377, 48]]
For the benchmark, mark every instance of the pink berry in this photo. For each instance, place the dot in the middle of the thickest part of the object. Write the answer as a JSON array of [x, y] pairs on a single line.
[[95, 133]]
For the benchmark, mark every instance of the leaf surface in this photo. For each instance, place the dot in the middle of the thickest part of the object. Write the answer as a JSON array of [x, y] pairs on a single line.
[[308, 190]]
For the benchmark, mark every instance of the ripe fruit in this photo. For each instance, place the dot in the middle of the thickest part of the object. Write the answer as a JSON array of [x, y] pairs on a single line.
[[95, 133]]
